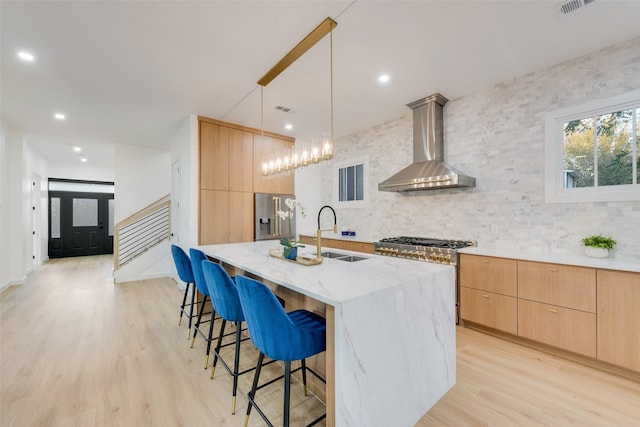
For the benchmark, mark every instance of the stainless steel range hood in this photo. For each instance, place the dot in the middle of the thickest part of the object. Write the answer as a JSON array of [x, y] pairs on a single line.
[[428, 170]]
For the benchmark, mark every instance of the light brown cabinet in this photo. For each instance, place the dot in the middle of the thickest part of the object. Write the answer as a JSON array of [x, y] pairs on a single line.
[[229, 217], [227, 165], [214, 217], [619, 318], [497, 275], [488, 289], [490, 309], [214, 157], [226, 158], [589, 311], [557, 305], [562, 285], [562, 327], [266, 148]]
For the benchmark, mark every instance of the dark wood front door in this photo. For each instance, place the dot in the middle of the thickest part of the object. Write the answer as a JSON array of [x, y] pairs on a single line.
[[79, 224]]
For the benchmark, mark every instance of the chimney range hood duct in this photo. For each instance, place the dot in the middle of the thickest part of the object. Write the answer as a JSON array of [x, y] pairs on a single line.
[[428, 170]]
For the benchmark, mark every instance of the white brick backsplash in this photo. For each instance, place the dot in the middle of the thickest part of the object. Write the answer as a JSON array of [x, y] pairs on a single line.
[[497, 136]]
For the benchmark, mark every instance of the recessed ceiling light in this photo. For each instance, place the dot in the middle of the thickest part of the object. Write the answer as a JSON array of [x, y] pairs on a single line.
[[383, 78], [288, 126], [77, 149], [26, 56], [83, 159], [59, 116]]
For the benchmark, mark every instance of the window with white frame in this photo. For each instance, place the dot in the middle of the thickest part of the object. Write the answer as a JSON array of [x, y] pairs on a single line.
[[592, 151], [351, 179]]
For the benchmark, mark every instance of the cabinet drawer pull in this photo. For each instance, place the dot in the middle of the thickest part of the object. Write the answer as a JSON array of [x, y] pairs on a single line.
[[485, 261], [552, 310], [485, 296], [553, 269]]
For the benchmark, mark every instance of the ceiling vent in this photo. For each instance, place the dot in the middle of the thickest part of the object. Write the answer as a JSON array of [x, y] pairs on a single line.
[[284, 109], [572, 5]]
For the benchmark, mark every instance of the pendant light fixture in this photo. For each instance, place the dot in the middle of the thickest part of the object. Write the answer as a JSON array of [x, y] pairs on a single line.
[[321, 148]]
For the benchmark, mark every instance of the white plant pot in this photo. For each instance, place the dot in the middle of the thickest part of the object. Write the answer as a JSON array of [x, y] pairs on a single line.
[[596, 252]]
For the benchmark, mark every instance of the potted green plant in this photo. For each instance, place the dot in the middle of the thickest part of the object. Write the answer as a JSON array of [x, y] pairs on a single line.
[[598, 246]]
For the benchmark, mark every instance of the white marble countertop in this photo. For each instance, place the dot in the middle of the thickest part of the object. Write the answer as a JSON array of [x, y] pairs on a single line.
[[331, 282], [569, 259], [387, 312]]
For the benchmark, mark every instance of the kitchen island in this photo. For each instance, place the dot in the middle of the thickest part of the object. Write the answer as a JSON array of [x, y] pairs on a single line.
[[390, 328]]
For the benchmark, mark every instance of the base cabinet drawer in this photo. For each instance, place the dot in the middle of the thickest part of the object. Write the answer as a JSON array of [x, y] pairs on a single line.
[[555, 284], [569, 329], [498, 275], [489, 309]]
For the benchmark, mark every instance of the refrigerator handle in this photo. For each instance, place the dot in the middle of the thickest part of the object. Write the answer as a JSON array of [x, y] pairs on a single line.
[[279, 219], [276, 218]]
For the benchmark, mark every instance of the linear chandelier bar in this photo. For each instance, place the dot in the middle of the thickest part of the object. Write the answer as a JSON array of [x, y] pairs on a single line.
[[305, 44]]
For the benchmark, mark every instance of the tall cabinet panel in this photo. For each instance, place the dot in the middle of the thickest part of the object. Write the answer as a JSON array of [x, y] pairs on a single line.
[[240, 217], [214, 217], [229, 161], [240, 162], [619, 318], [214, 157]]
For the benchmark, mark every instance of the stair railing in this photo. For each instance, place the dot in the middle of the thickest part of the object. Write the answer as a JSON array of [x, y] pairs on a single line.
[[141, 231]]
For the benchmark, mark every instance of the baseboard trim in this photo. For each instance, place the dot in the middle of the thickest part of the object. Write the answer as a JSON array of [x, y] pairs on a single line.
[[138, 278], [7, 285]]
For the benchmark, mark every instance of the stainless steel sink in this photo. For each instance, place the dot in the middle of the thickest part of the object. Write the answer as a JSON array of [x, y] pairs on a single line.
[[332, 254], [351, 258], [342, 257]]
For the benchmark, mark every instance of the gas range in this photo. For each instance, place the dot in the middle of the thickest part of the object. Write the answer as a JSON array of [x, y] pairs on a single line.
[[422, 248]]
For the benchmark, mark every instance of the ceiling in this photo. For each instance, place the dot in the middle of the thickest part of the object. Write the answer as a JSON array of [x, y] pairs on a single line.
[[131, 71]]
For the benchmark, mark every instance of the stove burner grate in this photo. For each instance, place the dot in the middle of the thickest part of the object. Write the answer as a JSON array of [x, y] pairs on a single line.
[[427, 242]]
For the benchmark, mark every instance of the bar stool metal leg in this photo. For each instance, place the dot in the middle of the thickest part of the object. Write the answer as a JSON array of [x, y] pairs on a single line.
[[236, 366], [287, 392], [304, 376], [184, 302], [252, 393], [197, 325], [209, 339]]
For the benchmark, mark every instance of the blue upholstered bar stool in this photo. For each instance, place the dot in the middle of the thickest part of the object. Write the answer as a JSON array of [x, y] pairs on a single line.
[[281, 336], [224, 294], [197, 256], [185, 273]]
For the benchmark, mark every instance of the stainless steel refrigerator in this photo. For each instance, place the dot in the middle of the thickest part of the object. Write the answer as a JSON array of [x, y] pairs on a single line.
[[269, 225]]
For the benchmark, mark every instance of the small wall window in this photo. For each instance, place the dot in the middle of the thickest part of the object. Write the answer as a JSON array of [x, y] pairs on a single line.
[[352, 182], [593, 151]]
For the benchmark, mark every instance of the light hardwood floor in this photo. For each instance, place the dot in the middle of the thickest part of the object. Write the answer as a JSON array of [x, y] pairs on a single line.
[[78, 350]]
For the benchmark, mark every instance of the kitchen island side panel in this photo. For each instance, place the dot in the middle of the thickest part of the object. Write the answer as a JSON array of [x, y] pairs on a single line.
[[406, 347]]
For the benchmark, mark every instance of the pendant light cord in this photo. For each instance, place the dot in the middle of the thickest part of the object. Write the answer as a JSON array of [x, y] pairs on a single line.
[[331, 78]]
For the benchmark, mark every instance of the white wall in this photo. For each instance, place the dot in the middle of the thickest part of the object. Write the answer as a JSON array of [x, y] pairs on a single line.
[[497, 136], [142, 176], [84, 172], [307, 183], [19, 164], [35, 164], [4, 207], [184, 149]]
